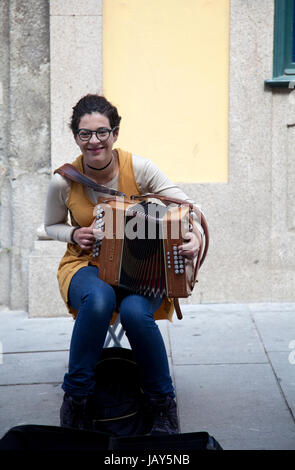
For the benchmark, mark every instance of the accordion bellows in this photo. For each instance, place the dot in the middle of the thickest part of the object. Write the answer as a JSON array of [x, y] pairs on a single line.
[[139, 249]]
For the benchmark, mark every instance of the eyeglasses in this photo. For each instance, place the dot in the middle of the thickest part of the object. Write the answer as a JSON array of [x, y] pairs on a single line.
[[102, 134]]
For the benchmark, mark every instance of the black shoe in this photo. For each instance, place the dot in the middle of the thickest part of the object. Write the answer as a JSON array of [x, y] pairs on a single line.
[[73, 413], [164, 413]]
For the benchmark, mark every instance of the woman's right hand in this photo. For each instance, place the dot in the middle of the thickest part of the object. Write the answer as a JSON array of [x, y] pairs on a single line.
[[84, 237]]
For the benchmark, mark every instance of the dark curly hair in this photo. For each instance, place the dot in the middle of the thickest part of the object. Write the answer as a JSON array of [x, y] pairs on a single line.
[[93, 104]]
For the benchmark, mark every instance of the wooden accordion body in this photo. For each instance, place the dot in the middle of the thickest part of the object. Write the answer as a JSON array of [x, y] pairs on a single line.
[[139, 250]]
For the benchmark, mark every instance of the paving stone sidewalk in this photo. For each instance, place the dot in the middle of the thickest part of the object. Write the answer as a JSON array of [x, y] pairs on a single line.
[[233, 367]]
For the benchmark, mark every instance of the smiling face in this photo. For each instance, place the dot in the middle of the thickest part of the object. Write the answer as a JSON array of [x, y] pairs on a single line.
[[96, 153]]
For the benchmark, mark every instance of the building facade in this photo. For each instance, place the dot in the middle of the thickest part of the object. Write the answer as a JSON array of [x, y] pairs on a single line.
[[239, 163]]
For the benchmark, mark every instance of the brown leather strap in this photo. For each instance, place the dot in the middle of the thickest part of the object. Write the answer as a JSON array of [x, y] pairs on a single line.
[[177, 309], [163, 198], [69, 171]]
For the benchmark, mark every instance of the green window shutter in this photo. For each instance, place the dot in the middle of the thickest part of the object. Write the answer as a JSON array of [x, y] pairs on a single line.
[[284, 45]]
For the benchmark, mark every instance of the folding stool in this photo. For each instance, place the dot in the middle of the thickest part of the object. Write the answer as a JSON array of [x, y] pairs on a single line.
[[112, 336]]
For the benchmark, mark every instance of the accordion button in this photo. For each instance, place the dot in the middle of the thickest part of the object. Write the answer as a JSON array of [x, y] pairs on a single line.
[[176, 271], [181, 271]]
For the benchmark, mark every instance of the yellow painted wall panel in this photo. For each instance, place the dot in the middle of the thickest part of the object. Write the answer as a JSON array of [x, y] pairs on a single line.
[[165, 65]]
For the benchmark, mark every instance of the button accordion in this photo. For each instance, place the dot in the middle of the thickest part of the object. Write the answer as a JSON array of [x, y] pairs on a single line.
[[138, 249]]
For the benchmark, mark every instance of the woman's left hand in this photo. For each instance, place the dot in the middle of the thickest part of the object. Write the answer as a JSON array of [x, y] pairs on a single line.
[[190, 248]]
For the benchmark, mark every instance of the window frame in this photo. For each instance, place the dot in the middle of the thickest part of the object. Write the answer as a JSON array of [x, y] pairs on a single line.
[[283, 67]]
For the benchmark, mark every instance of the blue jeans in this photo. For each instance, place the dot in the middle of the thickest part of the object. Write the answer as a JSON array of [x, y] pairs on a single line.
[[96, 301]]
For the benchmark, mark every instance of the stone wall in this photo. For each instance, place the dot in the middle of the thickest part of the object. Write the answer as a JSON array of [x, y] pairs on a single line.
[[25, 127], [5, 184], [75, 69]]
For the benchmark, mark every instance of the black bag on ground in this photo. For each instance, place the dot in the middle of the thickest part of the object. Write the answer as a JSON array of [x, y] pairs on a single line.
[[189, 442], [32, 437], [119, 407]]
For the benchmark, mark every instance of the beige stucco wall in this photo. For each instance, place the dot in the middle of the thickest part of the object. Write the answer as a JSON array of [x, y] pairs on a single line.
[[251, 217], [166, 66]]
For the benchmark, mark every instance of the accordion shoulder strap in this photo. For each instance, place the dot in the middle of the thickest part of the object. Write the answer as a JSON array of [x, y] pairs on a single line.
[[69, 171], [177, 309]]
